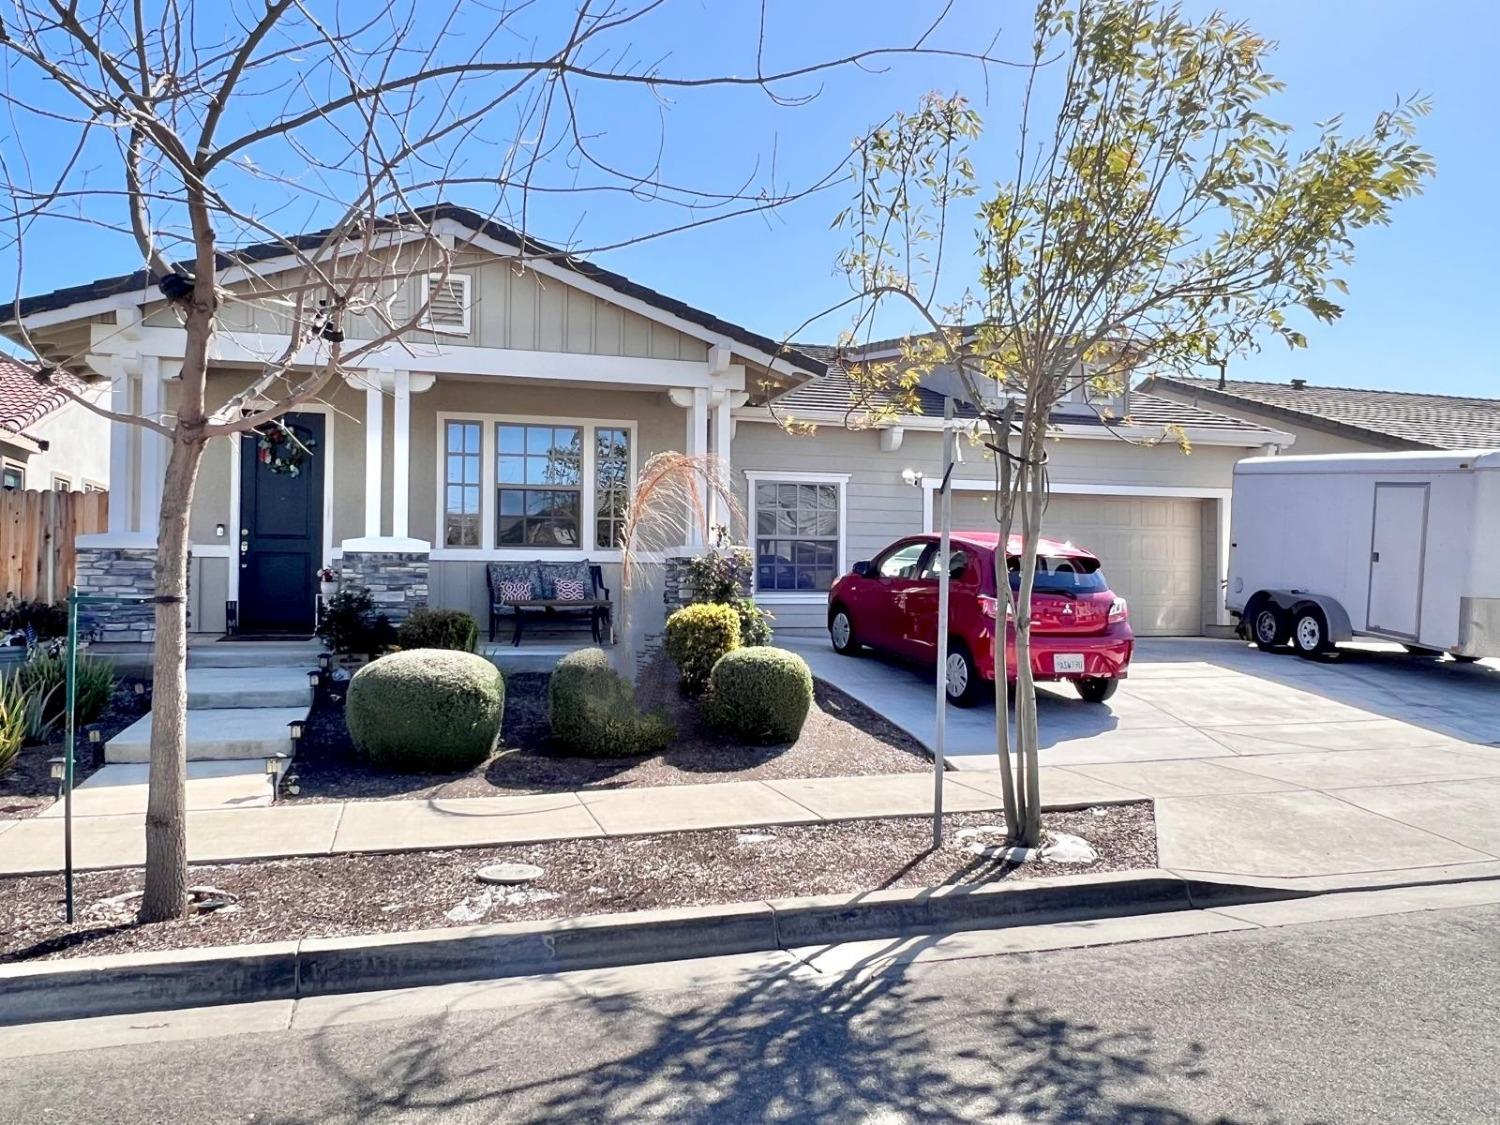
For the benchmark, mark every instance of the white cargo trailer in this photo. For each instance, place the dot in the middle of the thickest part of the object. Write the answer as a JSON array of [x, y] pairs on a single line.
[[1400, 546]]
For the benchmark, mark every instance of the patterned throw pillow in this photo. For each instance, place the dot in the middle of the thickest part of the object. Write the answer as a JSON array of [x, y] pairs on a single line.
[[568, 589], [515, 590]]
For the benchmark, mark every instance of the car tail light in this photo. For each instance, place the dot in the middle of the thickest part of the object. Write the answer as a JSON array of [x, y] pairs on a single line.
[[990, 607], [1117, 611]]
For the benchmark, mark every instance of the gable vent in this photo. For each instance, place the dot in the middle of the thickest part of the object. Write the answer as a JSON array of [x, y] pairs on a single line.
[[448, 303]]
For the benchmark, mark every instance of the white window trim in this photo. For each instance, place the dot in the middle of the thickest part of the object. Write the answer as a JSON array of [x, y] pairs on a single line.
[[465, 304], [94, 485], [486, 552], [62, 482], [776, 476], [20, 468]]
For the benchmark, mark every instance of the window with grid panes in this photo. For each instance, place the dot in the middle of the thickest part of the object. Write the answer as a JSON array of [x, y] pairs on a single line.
[[461, 487], [796, 536], [538, 485]]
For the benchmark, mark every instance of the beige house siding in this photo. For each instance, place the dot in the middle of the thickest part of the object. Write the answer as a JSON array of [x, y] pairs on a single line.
[[512, 308]]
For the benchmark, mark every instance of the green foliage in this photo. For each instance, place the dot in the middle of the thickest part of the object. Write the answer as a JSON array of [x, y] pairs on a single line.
[[438, 628], [761, 695], [348, 623], [427, 710], [722, 578], [15, 708], [593, 710], [697, 635], [45, 679], [45, 620]]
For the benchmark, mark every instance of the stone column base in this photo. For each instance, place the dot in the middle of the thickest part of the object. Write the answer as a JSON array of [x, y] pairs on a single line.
[[117, 570], [397, 580]]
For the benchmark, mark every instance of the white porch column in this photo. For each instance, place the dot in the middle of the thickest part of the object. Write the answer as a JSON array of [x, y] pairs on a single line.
[[374, 433], [697, 446], [719, 510], [122, 482], [401, 452], [153, 446]]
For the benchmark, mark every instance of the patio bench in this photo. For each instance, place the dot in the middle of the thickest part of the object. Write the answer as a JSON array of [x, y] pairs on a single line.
[[508, 581]]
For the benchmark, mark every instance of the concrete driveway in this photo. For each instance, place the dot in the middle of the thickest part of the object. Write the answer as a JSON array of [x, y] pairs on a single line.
[[1261, 765]]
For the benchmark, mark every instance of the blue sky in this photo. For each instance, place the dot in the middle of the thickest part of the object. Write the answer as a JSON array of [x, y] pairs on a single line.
[[1421, 294]]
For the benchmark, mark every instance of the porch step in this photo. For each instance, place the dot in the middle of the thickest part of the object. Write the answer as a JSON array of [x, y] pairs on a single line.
[[255, 654], [216, 735], [275, 686], [118, 790]]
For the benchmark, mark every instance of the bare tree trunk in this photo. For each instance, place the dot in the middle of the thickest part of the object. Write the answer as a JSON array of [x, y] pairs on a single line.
[[1029, 785], [1001, 440], [166, 817]]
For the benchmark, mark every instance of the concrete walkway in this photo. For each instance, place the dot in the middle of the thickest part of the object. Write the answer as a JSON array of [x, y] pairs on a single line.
[[295, 829], [1262, 765]]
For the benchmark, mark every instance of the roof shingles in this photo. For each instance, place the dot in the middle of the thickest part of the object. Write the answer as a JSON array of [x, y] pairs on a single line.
[[24, 401]]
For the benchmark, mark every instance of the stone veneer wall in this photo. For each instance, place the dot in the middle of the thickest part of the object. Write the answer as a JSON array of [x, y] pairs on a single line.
[[117, 570], [677, 586], [398, 580]]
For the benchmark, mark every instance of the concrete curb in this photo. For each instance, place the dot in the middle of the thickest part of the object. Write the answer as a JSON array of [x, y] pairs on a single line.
[[142, 982]]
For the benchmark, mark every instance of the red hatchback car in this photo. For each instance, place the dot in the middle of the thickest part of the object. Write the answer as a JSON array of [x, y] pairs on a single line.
[[1080, 630]]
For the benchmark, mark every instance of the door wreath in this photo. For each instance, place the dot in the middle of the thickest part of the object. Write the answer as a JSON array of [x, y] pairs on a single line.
[[282, 450]]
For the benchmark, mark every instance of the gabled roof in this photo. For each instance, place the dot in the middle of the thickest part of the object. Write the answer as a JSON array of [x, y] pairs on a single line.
[[1393, 419], [837, 393], [25, 402], [141, 283]]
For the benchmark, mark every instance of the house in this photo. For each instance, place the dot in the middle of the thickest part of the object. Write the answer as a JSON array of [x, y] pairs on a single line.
[[512, 426], [1344, 419], [47, 440]]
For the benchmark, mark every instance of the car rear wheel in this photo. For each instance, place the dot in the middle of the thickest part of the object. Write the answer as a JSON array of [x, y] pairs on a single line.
[[1268, 627], [964, 686], [841, 633], [1094, 689], [1310, 634]]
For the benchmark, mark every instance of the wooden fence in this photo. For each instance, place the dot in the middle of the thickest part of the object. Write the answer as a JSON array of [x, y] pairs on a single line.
[[37, 530]]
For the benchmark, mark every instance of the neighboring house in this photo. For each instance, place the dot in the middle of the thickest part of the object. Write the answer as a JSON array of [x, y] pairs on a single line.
[[48, 441], [514, 428], [1345, 419]]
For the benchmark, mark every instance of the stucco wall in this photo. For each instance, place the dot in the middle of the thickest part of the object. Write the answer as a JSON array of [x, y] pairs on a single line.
[[78, 448]]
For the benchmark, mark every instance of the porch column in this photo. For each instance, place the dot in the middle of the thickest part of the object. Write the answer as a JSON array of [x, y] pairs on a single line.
[[401, 450], [153, 447], [697, 446], [719, 511], [374, 433], [122, 485]]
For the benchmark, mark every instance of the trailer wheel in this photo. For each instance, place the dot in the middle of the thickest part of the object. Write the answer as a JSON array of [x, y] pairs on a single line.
[[1310, 634], [1268, 627]]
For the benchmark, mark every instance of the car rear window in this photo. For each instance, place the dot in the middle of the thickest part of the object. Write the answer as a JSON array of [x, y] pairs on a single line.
[[1062, 574]]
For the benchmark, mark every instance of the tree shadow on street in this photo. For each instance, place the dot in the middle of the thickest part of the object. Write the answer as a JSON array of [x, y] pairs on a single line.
[[870, 1043]]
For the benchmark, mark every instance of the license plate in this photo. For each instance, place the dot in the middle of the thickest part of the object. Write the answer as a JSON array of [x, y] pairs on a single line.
[[1067, 662]]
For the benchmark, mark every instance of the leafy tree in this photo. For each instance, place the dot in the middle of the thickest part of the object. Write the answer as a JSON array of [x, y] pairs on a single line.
[[1154, 216]]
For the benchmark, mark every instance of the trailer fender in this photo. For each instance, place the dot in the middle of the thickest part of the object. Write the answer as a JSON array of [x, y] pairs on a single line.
[[1294, 602]]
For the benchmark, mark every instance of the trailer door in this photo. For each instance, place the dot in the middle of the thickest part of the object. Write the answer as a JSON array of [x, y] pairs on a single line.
[[1398, 544]]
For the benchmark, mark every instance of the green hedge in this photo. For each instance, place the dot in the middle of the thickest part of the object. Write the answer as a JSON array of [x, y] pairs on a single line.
[[427, 710], [760, 694], [593, 710], [697, 635], [438, 628]]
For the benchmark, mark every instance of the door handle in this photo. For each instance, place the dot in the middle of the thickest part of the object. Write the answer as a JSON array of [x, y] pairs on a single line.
[[244, 546]]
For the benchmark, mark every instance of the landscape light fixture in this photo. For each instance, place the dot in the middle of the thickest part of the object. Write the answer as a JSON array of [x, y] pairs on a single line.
[[296, 727], [273, 772], [140, 687], [325, 661], [58, 768], [314, 678], [96, 744]]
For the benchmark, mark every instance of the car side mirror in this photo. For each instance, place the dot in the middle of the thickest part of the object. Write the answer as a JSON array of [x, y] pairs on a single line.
[[862, 569]]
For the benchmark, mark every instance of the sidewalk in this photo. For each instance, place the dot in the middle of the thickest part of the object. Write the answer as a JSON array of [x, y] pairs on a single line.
[[35, 846]]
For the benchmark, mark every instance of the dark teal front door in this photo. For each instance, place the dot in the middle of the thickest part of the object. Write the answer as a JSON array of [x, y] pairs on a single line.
[[281, 531]]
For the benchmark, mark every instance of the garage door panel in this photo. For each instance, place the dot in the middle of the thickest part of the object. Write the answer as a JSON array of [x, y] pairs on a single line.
[[1151, 547]]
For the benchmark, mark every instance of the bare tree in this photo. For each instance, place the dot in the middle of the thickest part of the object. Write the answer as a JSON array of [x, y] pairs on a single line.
[[1154, 216], [197, 130]]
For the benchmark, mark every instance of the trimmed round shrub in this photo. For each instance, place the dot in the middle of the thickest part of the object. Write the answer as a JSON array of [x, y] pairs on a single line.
[[697, 635], [427, 710], [438, 628], [760, 694], [593, 710]]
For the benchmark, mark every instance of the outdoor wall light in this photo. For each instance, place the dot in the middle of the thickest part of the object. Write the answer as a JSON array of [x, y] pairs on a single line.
[[911, 477]]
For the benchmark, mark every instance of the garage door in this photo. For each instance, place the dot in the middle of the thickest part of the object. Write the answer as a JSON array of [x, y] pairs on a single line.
[[1152, 549]]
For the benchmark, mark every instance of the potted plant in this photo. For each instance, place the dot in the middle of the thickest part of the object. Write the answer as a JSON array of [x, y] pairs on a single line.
[[328, 582]]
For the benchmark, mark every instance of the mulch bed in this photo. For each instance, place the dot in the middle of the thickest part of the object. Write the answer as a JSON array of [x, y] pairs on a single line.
[[842, 738], [365, 894], [27, 787]]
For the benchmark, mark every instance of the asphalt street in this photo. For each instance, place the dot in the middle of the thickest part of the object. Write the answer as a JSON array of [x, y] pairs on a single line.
[[1388, 1019]]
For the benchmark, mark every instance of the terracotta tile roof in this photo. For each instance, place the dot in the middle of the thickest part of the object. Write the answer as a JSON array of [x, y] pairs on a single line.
[[25, 402], [1395, 419]]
